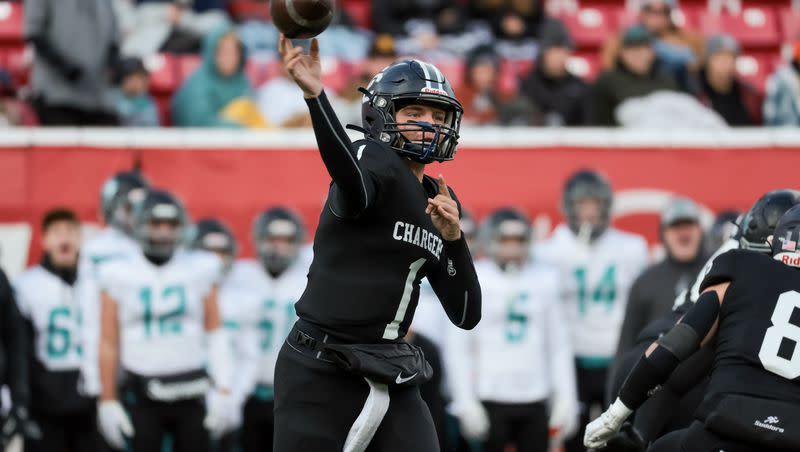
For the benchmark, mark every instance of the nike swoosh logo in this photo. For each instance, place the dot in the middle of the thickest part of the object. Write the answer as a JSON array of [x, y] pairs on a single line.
[[400, 380]]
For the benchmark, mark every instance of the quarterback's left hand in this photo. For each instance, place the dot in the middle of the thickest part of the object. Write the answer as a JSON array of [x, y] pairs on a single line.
[[444, 213], [600, 430]]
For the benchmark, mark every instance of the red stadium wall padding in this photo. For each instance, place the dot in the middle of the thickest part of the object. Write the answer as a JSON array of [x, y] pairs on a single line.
[[235, 184]]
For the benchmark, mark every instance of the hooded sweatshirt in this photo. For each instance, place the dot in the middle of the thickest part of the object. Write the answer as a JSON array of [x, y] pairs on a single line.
[[202, 97], [653, 294], [76, 44]]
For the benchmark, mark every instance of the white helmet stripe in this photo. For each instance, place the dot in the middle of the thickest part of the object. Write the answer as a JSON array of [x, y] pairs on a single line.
[[427, 74], [439, 76]]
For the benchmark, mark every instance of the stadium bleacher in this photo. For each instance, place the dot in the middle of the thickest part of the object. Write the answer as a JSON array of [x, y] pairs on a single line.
[[762, 28]]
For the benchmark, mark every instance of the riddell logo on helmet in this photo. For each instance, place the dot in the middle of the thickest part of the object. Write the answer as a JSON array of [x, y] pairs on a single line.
[[792, 259], [434, 91]]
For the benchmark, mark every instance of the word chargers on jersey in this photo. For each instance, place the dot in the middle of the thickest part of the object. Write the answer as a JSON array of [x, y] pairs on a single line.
[[416, 235]]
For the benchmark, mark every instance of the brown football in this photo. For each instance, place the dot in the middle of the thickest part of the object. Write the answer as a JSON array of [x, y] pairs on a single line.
[[301, 19]]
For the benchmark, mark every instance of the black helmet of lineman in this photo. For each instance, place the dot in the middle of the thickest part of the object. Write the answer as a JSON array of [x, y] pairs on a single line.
[[786, 241], [503, 224], [587, 184], [118, 196], [212, 235], [759, 222], [274, 223], [159, 207], [412, 82]]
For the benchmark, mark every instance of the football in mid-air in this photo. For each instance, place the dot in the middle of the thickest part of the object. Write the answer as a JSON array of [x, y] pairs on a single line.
[[301, 19]]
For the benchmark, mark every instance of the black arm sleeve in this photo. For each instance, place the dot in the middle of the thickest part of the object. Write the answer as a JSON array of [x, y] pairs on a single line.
[[354, 190], [14, 345], [456, 284]]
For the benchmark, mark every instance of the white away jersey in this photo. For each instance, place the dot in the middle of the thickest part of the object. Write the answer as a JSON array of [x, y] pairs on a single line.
[[430, 320], [520, 351], [275, 315], [109, 245], [50, 304], [239, 307], [161, 310], [596, 279]]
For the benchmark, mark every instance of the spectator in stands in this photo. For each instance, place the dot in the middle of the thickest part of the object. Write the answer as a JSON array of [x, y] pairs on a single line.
[[12, 111], [218, 90], [175, 26], [634, 75], [76, 47], [135, 107], [479, 94], [678, 51], [782, 104], [348, 103], [718, 88], [654, 291], [558, 97], [419, 25], [517, 24]]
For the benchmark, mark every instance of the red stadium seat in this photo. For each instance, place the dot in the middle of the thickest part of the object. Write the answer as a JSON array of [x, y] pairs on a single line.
[[755, 68], [790, 24], [241, 10], [335, 74], [187, 64], [453, 69], [754, 26], [360, 11], [17, 60], [11, 23], [508, 81], [163, 106], [164, 77], [585, 65], [589, 26]]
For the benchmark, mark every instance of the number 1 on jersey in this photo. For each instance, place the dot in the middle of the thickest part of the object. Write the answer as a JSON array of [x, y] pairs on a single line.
[[392, 330]]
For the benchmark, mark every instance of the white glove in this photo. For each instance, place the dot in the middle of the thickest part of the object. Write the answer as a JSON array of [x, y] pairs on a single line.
[[563, 417], [218, 413], [600, 430], [113, 423], [473, 420]]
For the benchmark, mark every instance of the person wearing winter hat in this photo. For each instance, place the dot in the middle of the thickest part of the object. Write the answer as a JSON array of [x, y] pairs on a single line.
[[718, 87], [678, 50], [558, 97]]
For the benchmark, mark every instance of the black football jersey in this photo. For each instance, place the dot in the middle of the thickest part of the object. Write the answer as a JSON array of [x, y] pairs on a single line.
[[363, 284], [758, 340]]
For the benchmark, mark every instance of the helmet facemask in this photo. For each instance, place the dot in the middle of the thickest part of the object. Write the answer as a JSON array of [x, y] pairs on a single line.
[[408, 83]]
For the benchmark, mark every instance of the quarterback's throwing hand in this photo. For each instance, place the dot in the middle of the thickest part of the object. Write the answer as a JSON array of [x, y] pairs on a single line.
[[444, 213], [304, 69]]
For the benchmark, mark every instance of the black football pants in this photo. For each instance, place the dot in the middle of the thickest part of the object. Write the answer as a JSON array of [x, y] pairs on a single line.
[[182, 420], [74, 432], [316, 404], [591, 392], [525, 425]]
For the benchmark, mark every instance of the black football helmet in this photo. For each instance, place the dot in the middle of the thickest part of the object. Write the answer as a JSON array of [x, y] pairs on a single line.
[[212, 235], [118, 196], [502, 224], [786, 240], [759, 222], [412, 82], [587, 184], [159, 206], [278, 222]]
